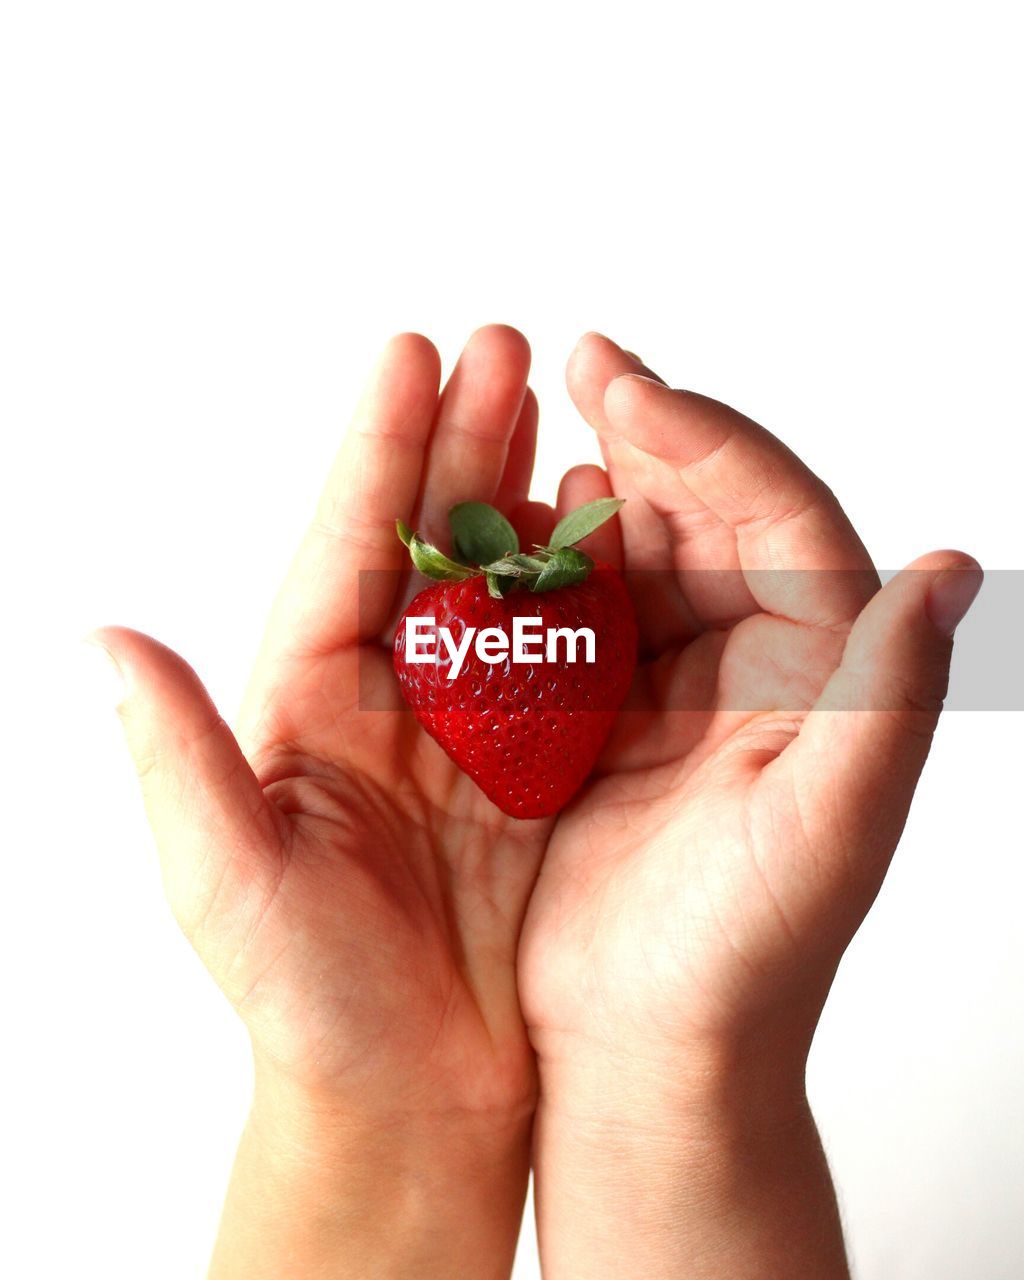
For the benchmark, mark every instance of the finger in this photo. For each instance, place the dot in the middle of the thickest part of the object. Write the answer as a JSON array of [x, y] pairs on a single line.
[[514, 486], [857, 757], [584, 484], [480, 406], [328, 600], [664, 615], [800, 556], [220, 840], [595, 361]]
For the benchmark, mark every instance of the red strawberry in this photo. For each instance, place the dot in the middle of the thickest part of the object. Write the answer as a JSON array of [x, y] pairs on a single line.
[[527, 732]]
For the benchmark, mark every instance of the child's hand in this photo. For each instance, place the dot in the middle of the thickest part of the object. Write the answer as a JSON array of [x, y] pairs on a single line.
[[692, 908], [355, 896]]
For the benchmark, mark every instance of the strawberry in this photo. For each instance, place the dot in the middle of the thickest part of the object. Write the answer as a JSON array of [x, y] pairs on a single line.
[[526, 726]]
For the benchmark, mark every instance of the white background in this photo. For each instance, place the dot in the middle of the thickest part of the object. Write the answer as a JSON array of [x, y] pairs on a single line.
[[213, 217]]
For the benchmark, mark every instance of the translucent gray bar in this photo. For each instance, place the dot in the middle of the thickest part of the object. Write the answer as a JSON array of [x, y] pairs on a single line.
[[987, 671]]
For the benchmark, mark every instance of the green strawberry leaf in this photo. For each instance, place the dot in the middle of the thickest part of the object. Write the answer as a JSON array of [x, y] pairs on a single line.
[[498, 585], [566, 567], [428, 560], [577, 524], [481, 534]]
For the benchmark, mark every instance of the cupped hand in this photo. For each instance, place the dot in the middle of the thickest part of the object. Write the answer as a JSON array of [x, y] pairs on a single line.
[[704, 888], [355, 896], [359, 900]]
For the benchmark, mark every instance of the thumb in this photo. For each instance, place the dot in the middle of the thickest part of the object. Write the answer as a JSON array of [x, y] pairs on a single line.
[[861, 749], [216, 832]]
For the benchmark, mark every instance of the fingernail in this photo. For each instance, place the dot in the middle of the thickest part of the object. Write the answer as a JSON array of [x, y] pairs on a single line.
[[106, 676], [651, 378], [648, 372], [952, 594]]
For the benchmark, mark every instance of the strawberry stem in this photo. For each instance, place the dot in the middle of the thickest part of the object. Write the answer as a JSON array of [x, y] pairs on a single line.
[[488, 545]]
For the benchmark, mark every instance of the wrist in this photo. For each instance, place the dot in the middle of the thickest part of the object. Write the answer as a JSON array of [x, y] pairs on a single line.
[[700, 1162], [652, 1082], [318, 1127], [698, 1115], [319, 1189]]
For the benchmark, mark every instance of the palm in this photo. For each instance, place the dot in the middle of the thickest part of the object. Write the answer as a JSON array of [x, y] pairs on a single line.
[[398, 908], [653, 898]]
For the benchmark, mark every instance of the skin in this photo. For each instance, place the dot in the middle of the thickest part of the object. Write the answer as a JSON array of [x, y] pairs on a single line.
[[436, 993]]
